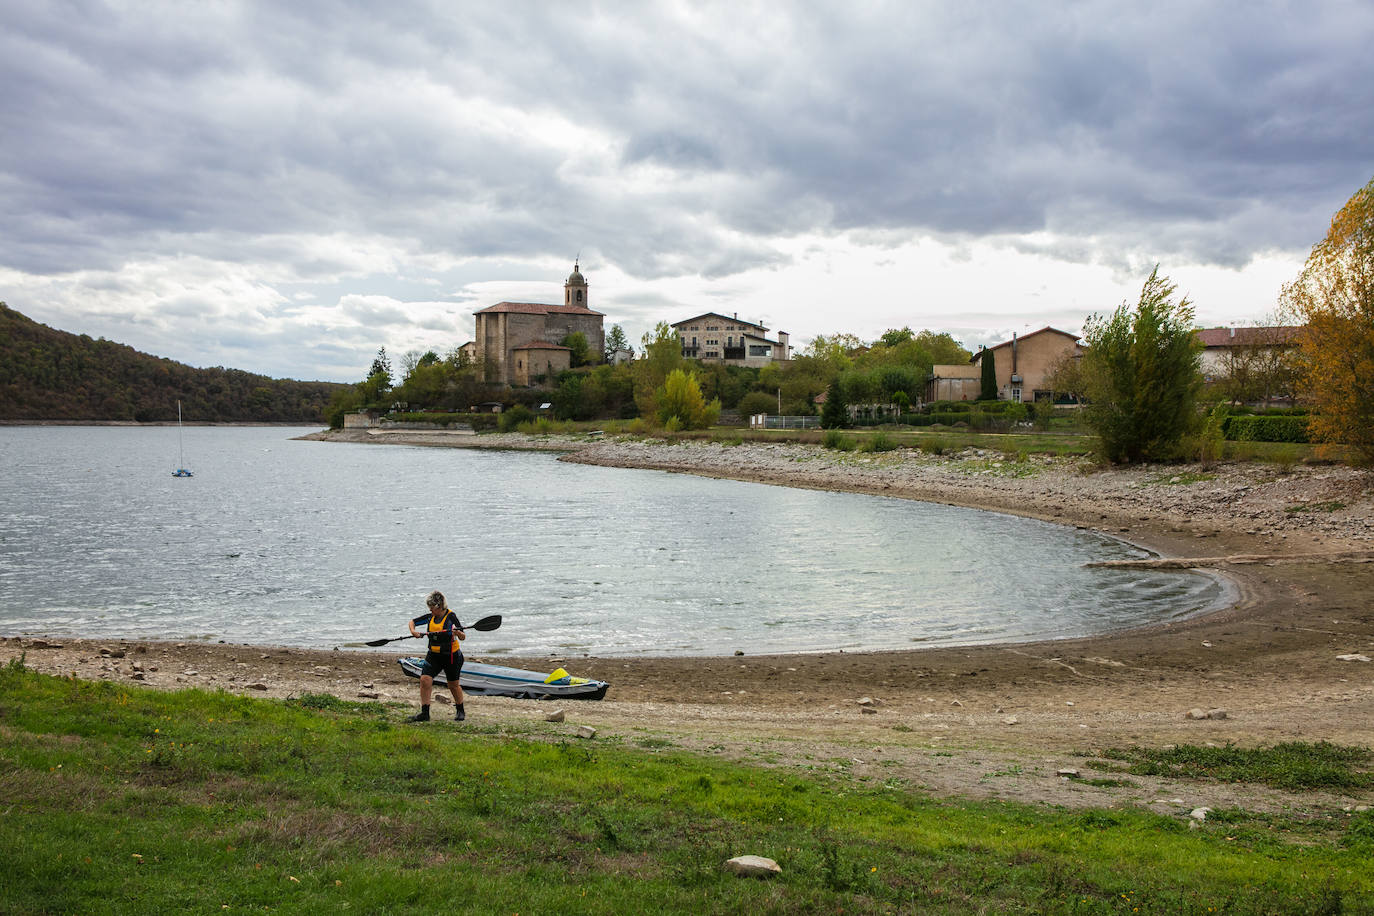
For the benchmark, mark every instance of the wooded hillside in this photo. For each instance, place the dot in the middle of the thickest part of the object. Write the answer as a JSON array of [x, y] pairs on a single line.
[[46, 374]]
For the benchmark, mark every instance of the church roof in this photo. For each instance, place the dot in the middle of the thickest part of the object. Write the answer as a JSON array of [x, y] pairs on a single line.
[[575, 278], [539, 308]]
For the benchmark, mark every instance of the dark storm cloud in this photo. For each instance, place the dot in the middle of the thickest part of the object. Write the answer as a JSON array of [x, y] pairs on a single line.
[[674, 139]]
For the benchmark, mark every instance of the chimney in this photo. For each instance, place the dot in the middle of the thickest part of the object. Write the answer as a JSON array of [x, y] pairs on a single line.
[[782, 344]]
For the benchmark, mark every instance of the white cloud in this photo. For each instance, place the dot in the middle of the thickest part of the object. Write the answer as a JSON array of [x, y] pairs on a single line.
[[289, 186]]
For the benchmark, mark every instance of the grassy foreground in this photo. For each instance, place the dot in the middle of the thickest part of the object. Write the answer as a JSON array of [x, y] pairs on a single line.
[[128, 800]]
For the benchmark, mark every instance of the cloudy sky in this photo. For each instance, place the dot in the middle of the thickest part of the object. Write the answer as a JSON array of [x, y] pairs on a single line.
[[285, 187]]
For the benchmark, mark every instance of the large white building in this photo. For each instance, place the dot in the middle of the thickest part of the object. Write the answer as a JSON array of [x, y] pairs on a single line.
[[716, 338]]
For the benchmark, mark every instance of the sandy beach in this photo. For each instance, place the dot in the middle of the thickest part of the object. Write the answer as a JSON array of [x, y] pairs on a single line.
[[1289, 660]]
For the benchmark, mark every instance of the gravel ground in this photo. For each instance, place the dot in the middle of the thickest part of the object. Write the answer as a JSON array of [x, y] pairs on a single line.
[[1288, 661]]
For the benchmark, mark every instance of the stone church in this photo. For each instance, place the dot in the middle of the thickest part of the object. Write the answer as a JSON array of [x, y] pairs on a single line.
[[520, 341]]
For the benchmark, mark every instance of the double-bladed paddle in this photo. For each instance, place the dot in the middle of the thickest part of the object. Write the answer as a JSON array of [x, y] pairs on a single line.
[[486, 623]]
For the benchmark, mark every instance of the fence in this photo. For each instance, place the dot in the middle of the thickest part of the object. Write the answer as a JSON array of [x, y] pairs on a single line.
[[767, 421]]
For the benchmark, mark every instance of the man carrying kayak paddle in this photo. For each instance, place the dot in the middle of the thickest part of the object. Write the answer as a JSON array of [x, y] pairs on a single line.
[[444, 634]]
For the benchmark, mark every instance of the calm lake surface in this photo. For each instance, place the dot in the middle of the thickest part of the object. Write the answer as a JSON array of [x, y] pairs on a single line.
[[282, 542]]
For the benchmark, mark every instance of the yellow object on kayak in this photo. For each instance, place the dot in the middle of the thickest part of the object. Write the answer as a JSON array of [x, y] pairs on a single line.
[[559, 676]]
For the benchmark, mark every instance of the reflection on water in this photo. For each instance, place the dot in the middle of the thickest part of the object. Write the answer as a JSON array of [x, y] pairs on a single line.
[[322, 544]]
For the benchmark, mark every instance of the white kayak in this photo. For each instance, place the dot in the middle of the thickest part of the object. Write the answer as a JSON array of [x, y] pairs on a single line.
[[500, 681]]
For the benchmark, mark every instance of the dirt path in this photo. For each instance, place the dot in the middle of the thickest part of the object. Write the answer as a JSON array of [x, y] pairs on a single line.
[[1288, 661]]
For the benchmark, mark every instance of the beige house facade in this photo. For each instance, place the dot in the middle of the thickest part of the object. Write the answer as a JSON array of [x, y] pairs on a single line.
[[1223, 347], [716, 338], [518, 341], [1024, 363], [959, 382]]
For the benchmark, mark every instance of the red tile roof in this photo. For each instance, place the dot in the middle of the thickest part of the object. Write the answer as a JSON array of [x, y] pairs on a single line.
[[538, 308], [678, 324], [1247, 337]]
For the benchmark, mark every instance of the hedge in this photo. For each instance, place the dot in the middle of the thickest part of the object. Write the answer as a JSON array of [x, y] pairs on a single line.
[[1266, 429]]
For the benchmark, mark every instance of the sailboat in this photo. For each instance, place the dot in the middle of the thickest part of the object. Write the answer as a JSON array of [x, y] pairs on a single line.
[[181, 470]]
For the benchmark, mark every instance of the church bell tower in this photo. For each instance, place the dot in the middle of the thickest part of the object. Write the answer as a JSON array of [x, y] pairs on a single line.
[[575, 290]]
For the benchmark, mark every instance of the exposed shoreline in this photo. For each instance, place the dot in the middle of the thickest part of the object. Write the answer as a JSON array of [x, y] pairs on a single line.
[[1284, 660]]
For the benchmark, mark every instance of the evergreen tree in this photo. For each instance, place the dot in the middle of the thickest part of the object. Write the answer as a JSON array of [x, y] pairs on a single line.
[[381, 366], [988, 391], [835, 414], [1141, 374], [616, 340]]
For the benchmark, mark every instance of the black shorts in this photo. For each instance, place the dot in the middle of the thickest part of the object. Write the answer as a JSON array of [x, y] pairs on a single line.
[[452, 666]]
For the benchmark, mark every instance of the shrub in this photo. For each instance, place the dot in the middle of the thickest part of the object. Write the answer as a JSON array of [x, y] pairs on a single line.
[[511, 419], [881, 442], [838, 441], [1266, 429], [756, 402]]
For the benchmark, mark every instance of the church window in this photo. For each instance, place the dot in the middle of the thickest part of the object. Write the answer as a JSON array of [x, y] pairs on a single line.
[[579, 295]]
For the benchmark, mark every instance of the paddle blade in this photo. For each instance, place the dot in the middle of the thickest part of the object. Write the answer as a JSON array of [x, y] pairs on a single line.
[[382, 642], [487, 623]]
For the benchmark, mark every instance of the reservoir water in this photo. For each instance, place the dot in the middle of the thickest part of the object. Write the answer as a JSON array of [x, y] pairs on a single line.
[[285, 542]]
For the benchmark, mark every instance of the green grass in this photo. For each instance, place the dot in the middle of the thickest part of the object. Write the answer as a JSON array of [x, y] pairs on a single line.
[[119, 799], [1293, 766], [1331, 506]]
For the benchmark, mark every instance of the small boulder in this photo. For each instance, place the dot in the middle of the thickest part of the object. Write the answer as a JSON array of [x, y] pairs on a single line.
[[257, 686], [1196, 713], [1199, 814], [868, 710], [586, 731], [753, 867], [1067, 773], [556, 716], [1216, 713], [368, 694]]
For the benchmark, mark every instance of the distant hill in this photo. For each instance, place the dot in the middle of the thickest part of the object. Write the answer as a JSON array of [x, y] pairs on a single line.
[[46, 374]]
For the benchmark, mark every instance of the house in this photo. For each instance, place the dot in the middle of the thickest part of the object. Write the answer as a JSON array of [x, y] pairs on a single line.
[[1222, 347], [716, 338], [1250, 365], [960, 382], [516, 341], [1025, 362]]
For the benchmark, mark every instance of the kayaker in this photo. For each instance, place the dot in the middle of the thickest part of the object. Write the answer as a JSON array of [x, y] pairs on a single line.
[[444, 634]]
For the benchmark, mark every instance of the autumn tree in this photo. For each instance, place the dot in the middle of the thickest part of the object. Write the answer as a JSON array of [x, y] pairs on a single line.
[[680, 404], [1141, 374], [1333, 298]]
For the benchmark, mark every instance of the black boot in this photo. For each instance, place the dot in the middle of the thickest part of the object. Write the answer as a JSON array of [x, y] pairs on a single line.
[[458, 713], [422, 715]]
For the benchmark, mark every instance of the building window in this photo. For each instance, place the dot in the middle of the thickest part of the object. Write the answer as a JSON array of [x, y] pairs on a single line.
[[579, 295], [1016, 395]]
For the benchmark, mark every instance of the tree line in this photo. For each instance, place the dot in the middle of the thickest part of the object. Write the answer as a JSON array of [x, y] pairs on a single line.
[[47, 374]]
